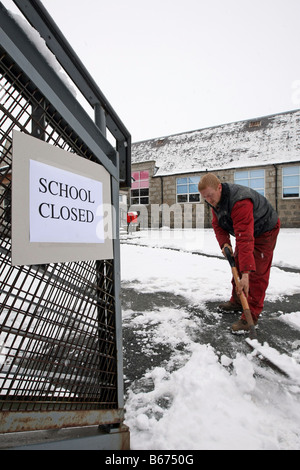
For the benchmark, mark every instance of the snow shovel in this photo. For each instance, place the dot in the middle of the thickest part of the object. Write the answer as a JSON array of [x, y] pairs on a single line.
[[242, 296]]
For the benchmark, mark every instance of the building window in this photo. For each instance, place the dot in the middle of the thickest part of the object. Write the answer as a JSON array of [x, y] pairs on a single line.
[[140, 187], [254, 179], [291, 181], [187, 189], [254, 124]]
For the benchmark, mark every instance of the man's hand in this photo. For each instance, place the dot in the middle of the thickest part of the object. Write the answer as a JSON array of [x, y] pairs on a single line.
[[226, 245], [243, 285]]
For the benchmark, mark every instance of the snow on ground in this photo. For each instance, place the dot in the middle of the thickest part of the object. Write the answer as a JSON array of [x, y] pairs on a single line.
[[187, 272], [204, 402]]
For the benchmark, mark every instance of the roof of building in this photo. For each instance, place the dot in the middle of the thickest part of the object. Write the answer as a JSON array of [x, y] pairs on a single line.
[[262, 141]]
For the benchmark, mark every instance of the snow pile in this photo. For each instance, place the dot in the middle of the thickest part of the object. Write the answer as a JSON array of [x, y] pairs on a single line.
[[292, 318], [198, 399], [285, 363], [212, 408]]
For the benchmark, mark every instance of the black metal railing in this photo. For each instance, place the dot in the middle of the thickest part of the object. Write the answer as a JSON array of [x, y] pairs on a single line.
[[58, 336]]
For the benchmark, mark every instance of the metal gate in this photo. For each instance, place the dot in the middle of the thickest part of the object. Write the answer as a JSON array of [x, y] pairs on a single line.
[[60, 358]]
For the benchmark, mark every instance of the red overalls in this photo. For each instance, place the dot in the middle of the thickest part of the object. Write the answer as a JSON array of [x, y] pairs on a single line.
[[253, 255]]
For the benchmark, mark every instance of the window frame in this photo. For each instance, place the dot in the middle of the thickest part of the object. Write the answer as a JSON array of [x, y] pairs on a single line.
[[140, 188], [188, 193], [250, 177], [284, 186]]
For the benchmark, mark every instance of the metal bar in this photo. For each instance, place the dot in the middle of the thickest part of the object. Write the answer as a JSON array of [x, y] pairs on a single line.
[[117, 293], [100, 118], [30, 421], [100, 121]]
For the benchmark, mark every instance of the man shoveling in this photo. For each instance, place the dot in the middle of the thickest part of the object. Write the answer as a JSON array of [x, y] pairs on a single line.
[[249, 217]]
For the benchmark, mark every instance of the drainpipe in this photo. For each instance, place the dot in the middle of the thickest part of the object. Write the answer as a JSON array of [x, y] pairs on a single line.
[[276, 187], [161, 198]]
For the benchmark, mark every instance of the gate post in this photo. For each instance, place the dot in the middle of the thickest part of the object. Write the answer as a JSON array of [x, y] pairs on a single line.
[[100, 121]]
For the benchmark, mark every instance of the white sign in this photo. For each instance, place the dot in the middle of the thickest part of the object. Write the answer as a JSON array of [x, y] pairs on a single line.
[[61, 205], [64, 207]]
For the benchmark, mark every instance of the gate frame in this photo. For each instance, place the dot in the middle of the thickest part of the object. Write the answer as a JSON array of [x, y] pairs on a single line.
[[24, 52]]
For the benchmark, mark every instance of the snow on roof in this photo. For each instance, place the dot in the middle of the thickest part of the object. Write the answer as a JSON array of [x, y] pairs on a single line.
[[262, 141]]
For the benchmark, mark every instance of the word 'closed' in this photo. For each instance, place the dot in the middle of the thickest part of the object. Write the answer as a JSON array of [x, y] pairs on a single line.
[[65, 206]]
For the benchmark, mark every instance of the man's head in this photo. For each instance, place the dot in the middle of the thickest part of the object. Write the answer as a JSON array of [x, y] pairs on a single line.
[[210, 188]]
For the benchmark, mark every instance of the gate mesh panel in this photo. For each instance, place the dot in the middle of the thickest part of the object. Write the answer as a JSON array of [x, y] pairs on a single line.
[[57, 340]]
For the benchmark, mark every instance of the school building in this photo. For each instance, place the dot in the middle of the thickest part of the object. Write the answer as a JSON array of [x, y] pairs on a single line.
[[262, 153]]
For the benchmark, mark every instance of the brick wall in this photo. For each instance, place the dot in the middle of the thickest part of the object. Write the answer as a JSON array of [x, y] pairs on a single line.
[[162, 193]]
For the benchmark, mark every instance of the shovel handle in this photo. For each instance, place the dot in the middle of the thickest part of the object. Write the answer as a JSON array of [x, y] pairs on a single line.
[[229, 257], [242, 296], [236, 277]]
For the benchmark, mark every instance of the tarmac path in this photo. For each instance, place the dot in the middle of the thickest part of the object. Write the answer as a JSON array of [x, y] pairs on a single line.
[[209, 326]]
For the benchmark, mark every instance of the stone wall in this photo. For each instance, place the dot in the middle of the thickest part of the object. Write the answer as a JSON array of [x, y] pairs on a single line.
[[162, 197]]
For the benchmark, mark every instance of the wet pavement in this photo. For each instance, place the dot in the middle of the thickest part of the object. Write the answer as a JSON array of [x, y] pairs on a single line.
[[141, 352]]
